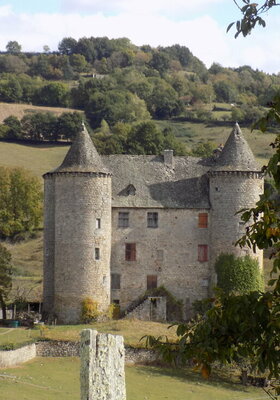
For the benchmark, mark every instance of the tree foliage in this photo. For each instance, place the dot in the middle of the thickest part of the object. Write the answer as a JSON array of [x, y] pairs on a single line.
[[238, 274], [251, 12], [20, 202], [6, 272]]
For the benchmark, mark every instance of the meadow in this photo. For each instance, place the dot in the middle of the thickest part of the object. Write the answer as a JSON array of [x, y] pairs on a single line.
[[58, 379]]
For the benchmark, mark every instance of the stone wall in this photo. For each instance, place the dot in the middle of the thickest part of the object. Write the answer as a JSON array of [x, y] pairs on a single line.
[[66, 349], [229, 193], [170, 252], [152, 309], [72, 349], [18, 356], [58, 349], [78, 226]]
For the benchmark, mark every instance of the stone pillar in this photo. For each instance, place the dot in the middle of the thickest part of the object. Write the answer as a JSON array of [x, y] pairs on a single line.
[[102, 366]]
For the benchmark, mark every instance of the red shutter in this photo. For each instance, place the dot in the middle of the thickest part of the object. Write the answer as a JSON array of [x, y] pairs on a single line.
[[130, 251], [202, 252], [203, 220]]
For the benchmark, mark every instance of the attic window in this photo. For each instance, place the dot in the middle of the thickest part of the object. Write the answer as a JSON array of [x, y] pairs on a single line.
[[129, 190]]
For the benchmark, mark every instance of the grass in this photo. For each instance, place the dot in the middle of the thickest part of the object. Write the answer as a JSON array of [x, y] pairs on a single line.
[[39, 159], [192, 133], [58, 379], [19, 110], [131, 330]]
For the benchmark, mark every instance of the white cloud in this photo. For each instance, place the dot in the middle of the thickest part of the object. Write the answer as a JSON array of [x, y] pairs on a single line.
[[204, 37], [136, 6], [5, 11]]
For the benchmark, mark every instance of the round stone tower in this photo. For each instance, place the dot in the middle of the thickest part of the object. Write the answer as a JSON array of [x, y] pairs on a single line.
[[235, 183], [77, 237]]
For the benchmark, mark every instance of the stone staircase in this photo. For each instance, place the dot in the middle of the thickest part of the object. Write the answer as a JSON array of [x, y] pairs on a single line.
[[150, 309]]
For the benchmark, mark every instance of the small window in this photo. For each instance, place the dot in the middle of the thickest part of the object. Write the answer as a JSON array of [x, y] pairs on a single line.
[[152, 220], [130, 251], [151, 282], [203, 220], [202, 252], [115, 281], [98, 223], [123, 221], [116, 302], [160, 255], [97, 253]]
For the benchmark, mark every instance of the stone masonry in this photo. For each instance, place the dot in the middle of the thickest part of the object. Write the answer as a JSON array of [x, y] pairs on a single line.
[[118, 225], [102, 366]]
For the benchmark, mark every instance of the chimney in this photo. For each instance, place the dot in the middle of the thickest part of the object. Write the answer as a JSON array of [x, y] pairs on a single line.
[[168, 158]]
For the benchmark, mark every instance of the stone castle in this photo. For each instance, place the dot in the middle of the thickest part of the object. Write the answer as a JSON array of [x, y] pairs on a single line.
[[118, 225]]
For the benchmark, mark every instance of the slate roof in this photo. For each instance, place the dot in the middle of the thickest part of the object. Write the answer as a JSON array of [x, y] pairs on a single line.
[[236, 154], [145, 181], [82, 156]]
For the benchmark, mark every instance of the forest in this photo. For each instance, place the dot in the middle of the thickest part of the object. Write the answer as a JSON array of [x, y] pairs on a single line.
[[121, 88]]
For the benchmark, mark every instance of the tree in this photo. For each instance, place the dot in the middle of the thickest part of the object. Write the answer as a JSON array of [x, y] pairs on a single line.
[[251, 15], [53, 94], [20, 202], [13, 47], [46, 48], [67, 46], [14, 127], [6, 272], [145, 138]]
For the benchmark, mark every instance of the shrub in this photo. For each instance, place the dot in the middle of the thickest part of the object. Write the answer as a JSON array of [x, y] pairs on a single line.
[[113, 311], [89, 310], [238, 274]]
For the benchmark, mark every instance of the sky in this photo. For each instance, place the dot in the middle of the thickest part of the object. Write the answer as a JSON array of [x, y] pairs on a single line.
[[198, 24]]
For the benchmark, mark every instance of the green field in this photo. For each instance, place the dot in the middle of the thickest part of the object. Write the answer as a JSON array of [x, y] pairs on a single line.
[[38, 159], [58, 379], [131, 330]]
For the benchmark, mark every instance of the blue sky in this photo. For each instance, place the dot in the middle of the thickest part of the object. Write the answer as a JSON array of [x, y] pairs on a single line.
[[197, 24]]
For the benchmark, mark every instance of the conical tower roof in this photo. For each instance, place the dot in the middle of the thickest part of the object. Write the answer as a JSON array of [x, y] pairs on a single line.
[[82, 156], [236, 154]]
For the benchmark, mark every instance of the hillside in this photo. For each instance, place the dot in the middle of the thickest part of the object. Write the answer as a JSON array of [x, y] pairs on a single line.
[[20, 110]]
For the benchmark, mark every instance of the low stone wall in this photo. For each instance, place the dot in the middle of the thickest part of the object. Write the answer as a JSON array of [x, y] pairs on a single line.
[[58, 349], [18, 356], [72, 349], [139, 356], [66, 349]]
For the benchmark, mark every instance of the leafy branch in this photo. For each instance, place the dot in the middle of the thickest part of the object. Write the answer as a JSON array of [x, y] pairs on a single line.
[[251, 16]]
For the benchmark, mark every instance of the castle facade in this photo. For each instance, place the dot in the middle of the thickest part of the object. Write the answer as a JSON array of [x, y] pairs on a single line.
[[118, 225]]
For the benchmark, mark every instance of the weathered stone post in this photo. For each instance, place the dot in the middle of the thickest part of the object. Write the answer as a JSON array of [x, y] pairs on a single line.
[[102, 366]]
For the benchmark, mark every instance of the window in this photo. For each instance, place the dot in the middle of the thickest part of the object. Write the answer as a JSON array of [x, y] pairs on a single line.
[[160, 255], [202, 252], [152, 220], [203, 220], [98, 223], [151, 282], [130, 251], [116, 302], [97, 253], [115, 281], [123, 220]]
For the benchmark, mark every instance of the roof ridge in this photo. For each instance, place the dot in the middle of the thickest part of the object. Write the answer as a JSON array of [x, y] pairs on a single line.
[[82, 156], [237, 154]]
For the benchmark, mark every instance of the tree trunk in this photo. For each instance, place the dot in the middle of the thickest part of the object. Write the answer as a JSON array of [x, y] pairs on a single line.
[[3, 306], [244, 377]]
